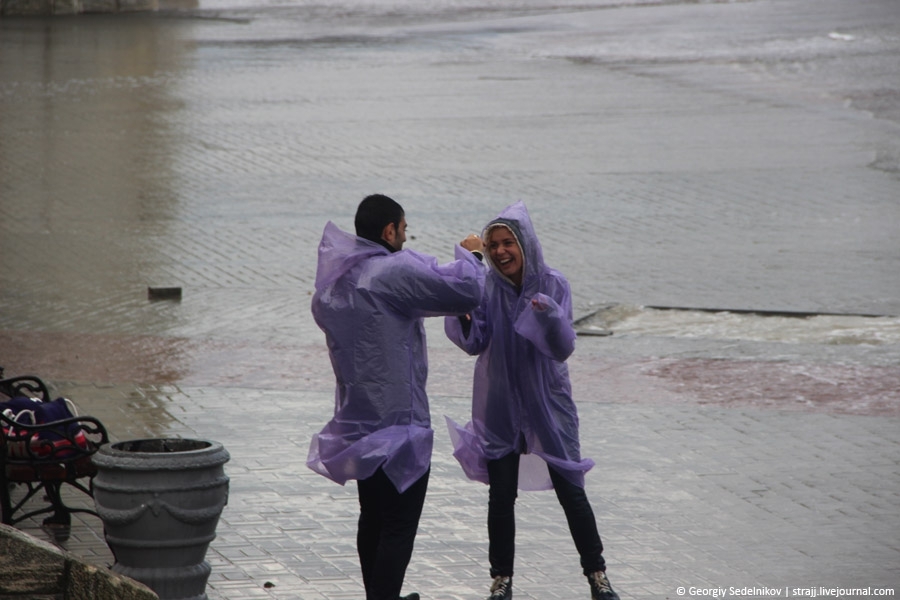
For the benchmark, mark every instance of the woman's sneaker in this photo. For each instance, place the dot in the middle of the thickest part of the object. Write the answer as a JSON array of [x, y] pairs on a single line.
[[600, 587], [501, 589]]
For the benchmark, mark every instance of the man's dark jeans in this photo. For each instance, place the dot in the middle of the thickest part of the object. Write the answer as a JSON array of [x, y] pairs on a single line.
[[504, 477], [388, 521]]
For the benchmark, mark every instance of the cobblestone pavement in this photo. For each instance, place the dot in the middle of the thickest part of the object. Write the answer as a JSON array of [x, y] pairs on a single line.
[[685, 495], [738, 155]]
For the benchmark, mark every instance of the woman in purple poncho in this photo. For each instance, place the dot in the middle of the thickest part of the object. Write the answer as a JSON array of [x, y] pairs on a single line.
[[524, 428]]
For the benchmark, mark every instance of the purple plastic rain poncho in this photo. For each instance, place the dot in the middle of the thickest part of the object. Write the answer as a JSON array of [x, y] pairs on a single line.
[[522, 397], [370, 303]]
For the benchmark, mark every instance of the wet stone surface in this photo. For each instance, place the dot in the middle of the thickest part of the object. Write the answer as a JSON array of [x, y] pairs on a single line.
[[725, 155]]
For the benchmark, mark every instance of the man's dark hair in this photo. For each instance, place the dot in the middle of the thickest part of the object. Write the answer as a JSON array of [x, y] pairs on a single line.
[[375, 212]]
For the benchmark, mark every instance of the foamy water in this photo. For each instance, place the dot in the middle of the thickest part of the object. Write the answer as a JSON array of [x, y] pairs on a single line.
[[758, 327]]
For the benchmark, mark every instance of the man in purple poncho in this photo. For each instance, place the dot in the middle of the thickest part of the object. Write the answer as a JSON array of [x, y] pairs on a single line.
[[524, 428], [370, 300]]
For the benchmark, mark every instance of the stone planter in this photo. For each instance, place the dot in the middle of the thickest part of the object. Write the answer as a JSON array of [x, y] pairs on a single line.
[[160, 501]]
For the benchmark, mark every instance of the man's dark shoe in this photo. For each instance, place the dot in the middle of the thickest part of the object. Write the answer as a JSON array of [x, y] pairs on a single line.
[[413, 596], [501, 589], [600, 587]]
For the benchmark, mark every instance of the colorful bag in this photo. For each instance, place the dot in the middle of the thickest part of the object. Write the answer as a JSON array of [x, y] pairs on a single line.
[[47, 442]]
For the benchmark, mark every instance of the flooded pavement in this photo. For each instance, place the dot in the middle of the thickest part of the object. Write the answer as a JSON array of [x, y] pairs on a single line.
[[740, 157], [750, 165]]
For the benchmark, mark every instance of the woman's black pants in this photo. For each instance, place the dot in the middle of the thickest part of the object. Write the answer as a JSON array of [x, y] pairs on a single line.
[[388, 521], [504, 480]]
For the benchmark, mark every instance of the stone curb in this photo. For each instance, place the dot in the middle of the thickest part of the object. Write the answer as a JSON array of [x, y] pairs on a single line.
[[32, 568]]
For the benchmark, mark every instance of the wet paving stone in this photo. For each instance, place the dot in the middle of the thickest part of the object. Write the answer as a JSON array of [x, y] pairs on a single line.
[[738, 155]]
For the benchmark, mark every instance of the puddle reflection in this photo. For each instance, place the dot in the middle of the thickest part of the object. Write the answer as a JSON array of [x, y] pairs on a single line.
[[86, 141]]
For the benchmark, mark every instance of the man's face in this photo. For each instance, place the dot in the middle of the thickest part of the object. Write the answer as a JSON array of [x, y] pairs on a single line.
[[395, 235], [505, 253]]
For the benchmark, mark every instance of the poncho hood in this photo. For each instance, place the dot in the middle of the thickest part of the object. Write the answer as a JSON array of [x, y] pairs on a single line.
[[339, 252], [516, 218]]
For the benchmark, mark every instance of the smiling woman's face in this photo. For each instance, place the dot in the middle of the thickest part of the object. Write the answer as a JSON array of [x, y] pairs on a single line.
[[505, 253]]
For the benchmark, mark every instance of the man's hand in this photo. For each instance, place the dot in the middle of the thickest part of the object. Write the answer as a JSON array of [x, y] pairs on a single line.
[[473, 243]]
